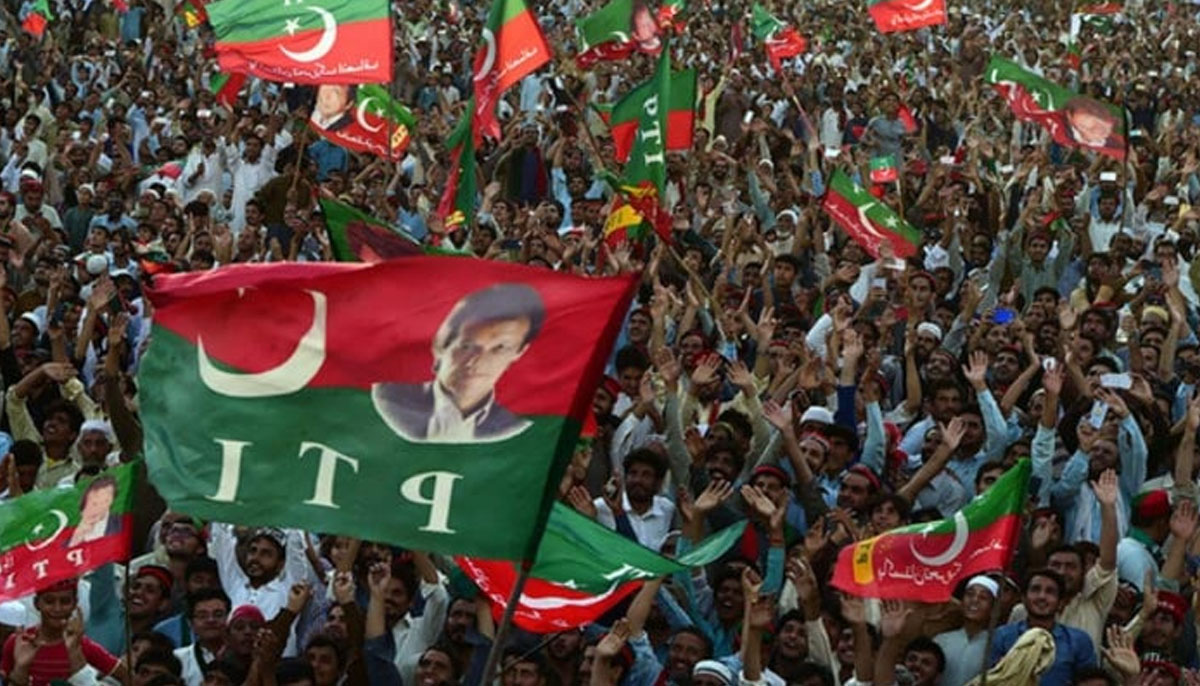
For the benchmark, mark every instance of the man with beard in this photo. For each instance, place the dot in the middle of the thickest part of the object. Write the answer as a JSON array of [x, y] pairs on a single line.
[[391, 630], [968, 643], [273, 562], [1163, 628], [437, 666], [1073, 649], [564, 653], [649, 515], [461, 641]]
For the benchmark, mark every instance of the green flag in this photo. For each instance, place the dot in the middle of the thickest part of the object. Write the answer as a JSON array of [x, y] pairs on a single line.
[[355, 236], [647, 166]]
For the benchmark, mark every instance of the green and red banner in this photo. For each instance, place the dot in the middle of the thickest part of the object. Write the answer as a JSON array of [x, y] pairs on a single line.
[[457, 206], [356, 236], [619, 29], [52, 535], [924, 562], [513, 47], [647, 165], [446, 393], [323, 41], [38, 19], [192, 13], [906, 15], [582, 570], [883, 169], [867, 220], [225, 87], [1073, 120], [362, 118], [781, 41], [680, 118]]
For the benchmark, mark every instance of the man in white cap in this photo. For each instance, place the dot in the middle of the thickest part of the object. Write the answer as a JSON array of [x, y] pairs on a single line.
[[967, 645], [712, 673]]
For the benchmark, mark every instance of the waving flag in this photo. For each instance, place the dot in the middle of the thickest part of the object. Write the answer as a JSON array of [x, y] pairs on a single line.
[[681, 114], [356, 236], [513, 48], [226, 87], [362, 118], [924, 562], [457, 206], [781, 41], [334, 42], [1072, 120], [869, 222], [317, 395], [617, 30], [582, 570], [906, 15]]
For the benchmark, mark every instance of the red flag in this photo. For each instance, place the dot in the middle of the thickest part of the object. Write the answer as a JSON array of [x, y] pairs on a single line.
[[514, 47], [906, 117], [736, 41], [906, 15], [121, 5], [35, 24], [784, 44]]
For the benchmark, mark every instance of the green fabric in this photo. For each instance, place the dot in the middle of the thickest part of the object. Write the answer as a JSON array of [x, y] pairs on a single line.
[[244, 21]]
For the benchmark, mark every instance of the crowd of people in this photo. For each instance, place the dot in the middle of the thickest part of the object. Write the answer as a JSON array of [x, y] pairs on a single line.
[[772, 369]]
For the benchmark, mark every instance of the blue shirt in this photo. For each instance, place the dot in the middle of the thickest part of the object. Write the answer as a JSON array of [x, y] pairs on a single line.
[[1073, 651]]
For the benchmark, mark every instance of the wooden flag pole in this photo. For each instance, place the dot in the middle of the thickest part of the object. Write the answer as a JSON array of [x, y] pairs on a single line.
[[514, 599]]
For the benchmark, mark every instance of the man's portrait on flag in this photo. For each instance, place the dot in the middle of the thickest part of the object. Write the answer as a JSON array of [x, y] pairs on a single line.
[[95, 512], [333, 108]]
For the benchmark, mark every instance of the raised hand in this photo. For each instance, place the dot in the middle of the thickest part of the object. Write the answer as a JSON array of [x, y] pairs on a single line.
[[952, 433], [1106, 487], [894, 616], [853, 610], [852, 345], [976, 370], [777, 415], [706, 370], [581, 500], [668, 368], [377, 580], [60, 372], [343, 587], [1184, 520], [1120, 652], [610, 646], [713, 495], [759, 501], [1114, 401], [742, 377], [298, 596], [1044, 531]]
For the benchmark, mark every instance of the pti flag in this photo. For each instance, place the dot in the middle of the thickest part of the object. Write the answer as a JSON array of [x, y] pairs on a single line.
[[513, 48], [38, 18], [582, 570], [52, 535], [1073, 120], [319, 41], [362, 118], [647, 165], [868, 221], [356, 236], [681, 114], [906, 15], [883, 169], [322, 395], [924, 562], [225, 87], [457, 206], [616, 31], [192, 12], [781, 41]]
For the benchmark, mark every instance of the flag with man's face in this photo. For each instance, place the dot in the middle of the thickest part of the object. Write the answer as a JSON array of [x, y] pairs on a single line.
[[361, 400]]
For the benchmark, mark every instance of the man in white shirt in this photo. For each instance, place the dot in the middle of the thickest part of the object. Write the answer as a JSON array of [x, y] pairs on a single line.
[[648, 514], [251, 170]]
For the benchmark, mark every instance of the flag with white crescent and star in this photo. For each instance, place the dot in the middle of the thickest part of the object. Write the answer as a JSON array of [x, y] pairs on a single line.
[[51, 535], [906, 15], [925, 562], [868, 221], [582, 570], [513, 47], [427, 402], [313, 42], [362, 118]]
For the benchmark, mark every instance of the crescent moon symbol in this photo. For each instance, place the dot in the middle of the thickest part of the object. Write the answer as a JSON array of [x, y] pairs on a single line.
[[866, 222], [362, 109], [62, 524], [956, 546], [323, 46], [921, 6], [489, 55], [555, 603], [291, 376]]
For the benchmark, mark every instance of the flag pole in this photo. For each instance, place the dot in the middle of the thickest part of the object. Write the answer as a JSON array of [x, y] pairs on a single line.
[[514, 599], [993, 620], [128, 656]]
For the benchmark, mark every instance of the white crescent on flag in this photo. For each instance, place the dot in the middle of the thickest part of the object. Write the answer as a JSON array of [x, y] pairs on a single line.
[[961, 534], [558, 602], [324, 45], [489, 55], [61, 520], [362, 109]]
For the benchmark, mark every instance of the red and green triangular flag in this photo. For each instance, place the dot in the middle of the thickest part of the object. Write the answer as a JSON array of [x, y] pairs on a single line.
[[781, 41], [867, 220], [582, 570], [457, 206], [883, 169], [1073, 120], [192, 13], [616, 31], [371, 121], [337, 41], [355, 236], [54, 535], [38, 18], [925, 562], [906, 15], [226, 87], [513, 47], [302, 395], [624, 116], [156, 261]]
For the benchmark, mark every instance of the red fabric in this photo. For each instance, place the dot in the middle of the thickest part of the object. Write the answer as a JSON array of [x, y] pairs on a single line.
[[51, 660]]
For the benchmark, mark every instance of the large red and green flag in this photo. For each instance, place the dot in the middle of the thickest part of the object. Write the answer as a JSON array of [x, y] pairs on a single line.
[[867, 220], [616, 31], [781, 41], [1073, 120], [582, 570], [192, 13], [321, 395], [670, 14], [680, 116], [362, 118], [335, 41], [513, 47], [53, 535], [924, 562], [457, 206], [38, 18], [646, 168], [883, 169], [906, 15], [225, 87], [356, 236]]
